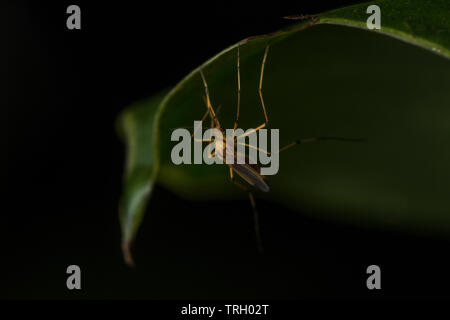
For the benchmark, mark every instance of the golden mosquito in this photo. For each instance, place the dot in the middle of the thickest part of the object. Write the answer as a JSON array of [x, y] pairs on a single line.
[[248, 172]]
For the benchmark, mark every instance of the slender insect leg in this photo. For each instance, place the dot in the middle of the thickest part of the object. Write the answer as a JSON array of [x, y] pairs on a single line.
[[203, 140], [250, 132], [239, 88], [266, 123], [314, 139], [253, 147], [237, 138], [260, 85], [213, 154], [208, 112], [256, 222], [205, 115], [208, 100], [255, 211], [203, 119], [296, 142], [212, 123]]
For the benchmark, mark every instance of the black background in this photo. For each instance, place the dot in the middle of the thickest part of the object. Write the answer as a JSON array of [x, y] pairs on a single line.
[[64, 167]]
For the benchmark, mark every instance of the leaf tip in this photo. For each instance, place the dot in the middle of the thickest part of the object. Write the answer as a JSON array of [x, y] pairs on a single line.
[[126, 252]]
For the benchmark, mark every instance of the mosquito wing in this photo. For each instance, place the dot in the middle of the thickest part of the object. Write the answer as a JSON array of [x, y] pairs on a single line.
[[251, 176]]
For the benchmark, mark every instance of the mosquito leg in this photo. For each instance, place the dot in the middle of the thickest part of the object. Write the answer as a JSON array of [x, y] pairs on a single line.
[[250, 131], [208, 112], [314, 139], [256, 222], [239, 88], [212, 123], [208, 100], [203, 119], [253, 147], [211, 154], [266, 123], [260, 85], [203, 140], [255, 211]]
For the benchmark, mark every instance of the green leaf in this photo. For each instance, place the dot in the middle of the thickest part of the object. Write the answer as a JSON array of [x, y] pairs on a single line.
[[320, 80], [138, 128], [422, 23]]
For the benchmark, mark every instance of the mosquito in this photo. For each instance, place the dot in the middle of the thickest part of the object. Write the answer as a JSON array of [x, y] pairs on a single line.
[[250, 173]]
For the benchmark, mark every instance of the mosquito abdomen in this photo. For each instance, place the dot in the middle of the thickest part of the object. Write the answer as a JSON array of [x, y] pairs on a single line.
[[251, 176]]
